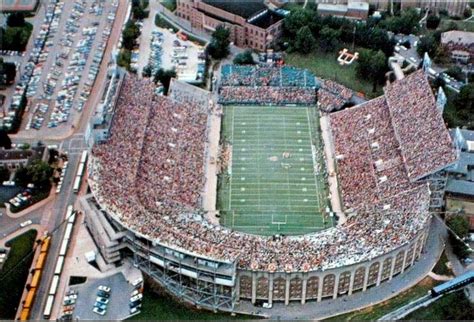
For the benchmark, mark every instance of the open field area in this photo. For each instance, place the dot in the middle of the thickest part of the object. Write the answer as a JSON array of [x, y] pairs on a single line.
[[15, 272], [325, 65], [275, 180]]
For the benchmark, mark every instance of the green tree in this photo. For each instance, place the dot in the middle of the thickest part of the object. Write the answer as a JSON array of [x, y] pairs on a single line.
[[164, 77], [219, 46], [244, 58], [464, 102], [467, 12], [456, 72], [129, 35], [7, 72], [432, 22], [329, 39], [296, 20], [147, 70], [4, 174], [16, 19], [15, 38], [304, 41], [371, 65], [38, 172], [428, 44], [460, 229], [5, 141], [124, 58], [406, 23]]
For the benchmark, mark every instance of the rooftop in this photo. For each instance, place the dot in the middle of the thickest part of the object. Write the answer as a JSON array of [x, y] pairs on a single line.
[[458, 36], [242, 8], [18, 5], [265, 19]]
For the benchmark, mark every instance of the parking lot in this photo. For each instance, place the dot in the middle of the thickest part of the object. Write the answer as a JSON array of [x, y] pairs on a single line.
[[117, 307], [161, 48], [61, 68]]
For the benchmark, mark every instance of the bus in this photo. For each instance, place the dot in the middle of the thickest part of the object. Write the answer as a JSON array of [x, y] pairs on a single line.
[[49, 307]]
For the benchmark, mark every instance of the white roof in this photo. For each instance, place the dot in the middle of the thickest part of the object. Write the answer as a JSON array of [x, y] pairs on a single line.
[[463, 37]]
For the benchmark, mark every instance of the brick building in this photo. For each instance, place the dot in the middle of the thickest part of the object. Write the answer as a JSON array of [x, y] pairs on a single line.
[[251, 23]]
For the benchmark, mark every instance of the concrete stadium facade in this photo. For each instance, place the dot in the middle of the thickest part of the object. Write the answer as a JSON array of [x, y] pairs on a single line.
[[218, 285]]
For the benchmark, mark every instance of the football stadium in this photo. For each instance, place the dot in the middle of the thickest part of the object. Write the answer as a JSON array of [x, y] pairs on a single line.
[[256, 193]]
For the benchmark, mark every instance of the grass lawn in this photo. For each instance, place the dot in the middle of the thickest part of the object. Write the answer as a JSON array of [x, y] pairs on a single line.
[[18, 265], [275, 181], [441, 268], [379, 310], [325, 65], [454, 306], [159, 307]]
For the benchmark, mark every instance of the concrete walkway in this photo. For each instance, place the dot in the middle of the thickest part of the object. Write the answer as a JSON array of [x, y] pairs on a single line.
[[360, 300]]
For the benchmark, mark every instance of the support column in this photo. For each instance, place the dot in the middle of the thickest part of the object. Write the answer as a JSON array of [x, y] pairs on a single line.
[[304, 287], [320, 288], [366, 278], [237, 287], [336, 286], [254, 287], [392, 269], [287, 289], [379, 275], [351, 282], [415, 251], [404, 259], [270, 288]]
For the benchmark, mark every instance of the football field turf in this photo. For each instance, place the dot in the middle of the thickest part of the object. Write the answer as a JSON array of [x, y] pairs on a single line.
[[274, 183]]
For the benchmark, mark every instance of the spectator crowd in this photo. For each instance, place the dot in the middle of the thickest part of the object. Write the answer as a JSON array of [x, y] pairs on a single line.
[[149, 175], [267, 85], [333, 96]]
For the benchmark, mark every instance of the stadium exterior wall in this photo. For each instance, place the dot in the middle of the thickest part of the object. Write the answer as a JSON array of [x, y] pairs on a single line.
[[220, 285]]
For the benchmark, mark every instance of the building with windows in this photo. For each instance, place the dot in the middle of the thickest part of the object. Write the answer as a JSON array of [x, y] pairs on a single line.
[[18, 5], [251, 23]]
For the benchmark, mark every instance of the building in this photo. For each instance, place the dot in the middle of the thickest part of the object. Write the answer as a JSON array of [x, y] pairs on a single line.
[[13, 159], [453, 7], [352, 10], [210, 266], [460, 45], [18, 5], [251, 23], [460, 184]]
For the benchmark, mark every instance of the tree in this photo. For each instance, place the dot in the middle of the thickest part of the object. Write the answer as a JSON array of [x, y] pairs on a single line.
[[147, 70], [129, 35], [405, 23], [432, 22], [4, 174], [304, 41], [5, 141], [296, 20], [38, 172], [465, 101], [164, 77], [16, 19], [7, 72], [329, 39], [467, 12], [459, 230], [456, 72], [244, 58], [428, 44], [15, 38], [124, 58], [371, 65], [219, 46]]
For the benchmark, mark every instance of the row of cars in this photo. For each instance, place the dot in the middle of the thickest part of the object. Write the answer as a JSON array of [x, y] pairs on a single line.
[[32, 70], [154, 61], [69, 304], [11, 53], [102, 300]]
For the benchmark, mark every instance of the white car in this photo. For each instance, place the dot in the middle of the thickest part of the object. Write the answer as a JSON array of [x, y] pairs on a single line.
[[26, 223], [136, 297], [134, 310], [134, 293], [99, 311], [104, 288]]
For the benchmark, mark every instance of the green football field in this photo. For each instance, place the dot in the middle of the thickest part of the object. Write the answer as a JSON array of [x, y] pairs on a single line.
[[274, 183]]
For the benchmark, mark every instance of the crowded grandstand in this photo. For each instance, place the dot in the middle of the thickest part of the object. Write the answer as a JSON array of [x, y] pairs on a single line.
[[149, 175]]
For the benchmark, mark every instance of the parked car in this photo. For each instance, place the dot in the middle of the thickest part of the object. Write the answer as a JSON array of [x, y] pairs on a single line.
[[99, 311]]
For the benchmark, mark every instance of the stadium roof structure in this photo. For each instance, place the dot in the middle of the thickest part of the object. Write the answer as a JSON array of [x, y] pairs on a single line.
[[242, 8], [425, 143], [461, 187]]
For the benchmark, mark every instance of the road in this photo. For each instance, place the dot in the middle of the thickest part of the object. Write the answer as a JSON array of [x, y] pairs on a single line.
[[51, 215]]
